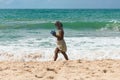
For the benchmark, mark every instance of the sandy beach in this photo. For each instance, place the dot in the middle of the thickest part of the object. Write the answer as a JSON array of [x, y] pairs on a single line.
[[61, 70]]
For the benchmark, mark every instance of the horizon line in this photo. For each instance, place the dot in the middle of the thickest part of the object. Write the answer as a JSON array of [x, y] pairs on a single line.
[[59, 8]]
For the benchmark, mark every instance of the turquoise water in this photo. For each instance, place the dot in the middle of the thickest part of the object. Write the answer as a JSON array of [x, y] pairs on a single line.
[[72, 18], [27, 31]]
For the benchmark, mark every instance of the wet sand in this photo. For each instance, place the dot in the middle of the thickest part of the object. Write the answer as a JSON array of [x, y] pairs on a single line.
[[61, 70]]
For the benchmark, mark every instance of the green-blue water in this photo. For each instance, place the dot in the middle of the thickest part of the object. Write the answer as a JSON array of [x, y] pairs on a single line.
[[28, 31], [72, 18]]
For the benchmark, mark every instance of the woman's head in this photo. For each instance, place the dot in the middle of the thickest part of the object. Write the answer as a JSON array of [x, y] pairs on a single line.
[[58, 24]]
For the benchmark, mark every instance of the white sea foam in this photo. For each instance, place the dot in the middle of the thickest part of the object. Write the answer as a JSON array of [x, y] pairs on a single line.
[[114, 25], [90, 48]]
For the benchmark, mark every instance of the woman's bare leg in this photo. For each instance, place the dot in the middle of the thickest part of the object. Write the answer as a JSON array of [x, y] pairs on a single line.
[[65, 55], [56, 54]]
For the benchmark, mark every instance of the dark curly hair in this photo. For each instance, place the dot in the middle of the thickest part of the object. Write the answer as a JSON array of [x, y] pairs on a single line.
[[58, 22]]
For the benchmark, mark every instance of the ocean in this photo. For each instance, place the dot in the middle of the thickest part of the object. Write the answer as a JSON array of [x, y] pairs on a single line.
[[90, 34]]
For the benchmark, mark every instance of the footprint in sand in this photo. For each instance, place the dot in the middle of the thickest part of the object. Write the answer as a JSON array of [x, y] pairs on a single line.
[[50, 77], [38, 76], [50, 69], [105, 71]]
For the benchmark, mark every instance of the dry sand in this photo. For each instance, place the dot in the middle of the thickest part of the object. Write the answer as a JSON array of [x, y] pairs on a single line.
[[61, 70]]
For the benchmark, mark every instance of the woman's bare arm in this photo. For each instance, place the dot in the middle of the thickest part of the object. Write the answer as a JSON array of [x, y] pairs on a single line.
[[60, 36]]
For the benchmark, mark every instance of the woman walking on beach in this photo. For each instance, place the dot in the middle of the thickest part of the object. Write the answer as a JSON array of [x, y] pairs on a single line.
[[61, 45]]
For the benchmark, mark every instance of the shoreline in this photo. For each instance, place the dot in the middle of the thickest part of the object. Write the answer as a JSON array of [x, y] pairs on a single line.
[[61, 70]]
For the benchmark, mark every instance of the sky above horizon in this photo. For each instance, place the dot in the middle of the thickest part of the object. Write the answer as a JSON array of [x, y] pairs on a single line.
[[59, 4]]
